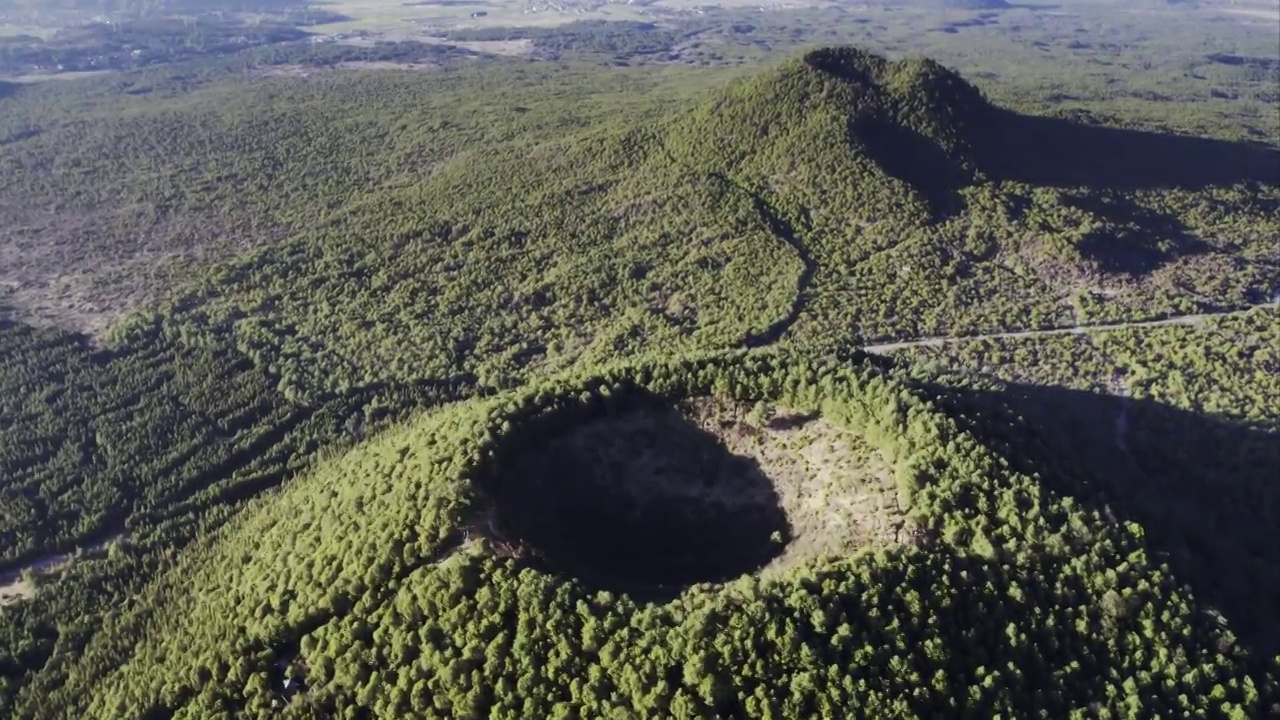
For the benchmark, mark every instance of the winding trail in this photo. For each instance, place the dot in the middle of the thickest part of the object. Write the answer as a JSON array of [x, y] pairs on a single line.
[[1193, 319], [783, 230], [786, 233], [780, 228]]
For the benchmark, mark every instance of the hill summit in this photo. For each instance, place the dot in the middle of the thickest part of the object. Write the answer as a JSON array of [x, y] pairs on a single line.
[[847, 120], [858, 151], [850, 116], [916, 118], [919, 94]]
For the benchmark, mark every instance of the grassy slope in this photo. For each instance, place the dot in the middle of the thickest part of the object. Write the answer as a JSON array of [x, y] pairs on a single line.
[[893, 257]]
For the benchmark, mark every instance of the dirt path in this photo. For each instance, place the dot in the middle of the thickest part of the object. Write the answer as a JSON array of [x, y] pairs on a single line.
[[16, 585], [1194, 319]]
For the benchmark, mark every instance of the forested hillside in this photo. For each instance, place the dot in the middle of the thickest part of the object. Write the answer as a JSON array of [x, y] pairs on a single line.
[[325, 372], [363, 580]]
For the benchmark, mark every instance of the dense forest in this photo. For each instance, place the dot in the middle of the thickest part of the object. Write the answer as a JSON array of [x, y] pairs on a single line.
[[135, 44], [400, 381], [373, 594]]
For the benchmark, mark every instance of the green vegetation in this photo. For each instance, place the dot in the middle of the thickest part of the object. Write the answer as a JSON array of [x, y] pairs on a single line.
[[368, 591], [622, 40], [443, 385], [144, 8], [136, 44], [95, 443], [1182, 429]]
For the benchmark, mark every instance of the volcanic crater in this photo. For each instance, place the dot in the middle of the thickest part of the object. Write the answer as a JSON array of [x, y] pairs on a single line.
[[650, 497]]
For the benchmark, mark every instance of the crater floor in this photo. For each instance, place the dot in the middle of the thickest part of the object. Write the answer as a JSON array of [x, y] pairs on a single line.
[[651, 497]]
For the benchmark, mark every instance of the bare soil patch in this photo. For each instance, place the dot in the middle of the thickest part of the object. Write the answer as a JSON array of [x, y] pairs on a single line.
[[16, 590], [1261, 13], [837, 491], [650, 498], [306, 71], [20, 584], [510, 48], [82, 270]]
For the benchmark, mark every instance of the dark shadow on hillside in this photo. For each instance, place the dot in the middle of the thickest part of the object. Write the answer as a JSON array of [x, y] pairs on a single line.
[[1008, 145], [785, 232], [7, 88], [1134, 240], [918, 161], [893, 126], [636, 499], [1265, 64], [962, 604], [1206, 491], [1059, 152], [19, 136]]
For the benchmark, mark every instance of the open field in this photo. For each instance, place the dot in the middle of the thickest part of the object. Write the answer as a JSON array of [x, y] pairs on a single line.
[[11, 29], [42, 77], [395, 20], [1259, 9]]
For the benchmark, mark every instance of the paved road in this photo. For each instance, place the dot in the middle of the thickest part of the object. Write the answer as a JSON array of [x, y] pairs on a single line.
[[882, 348]]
